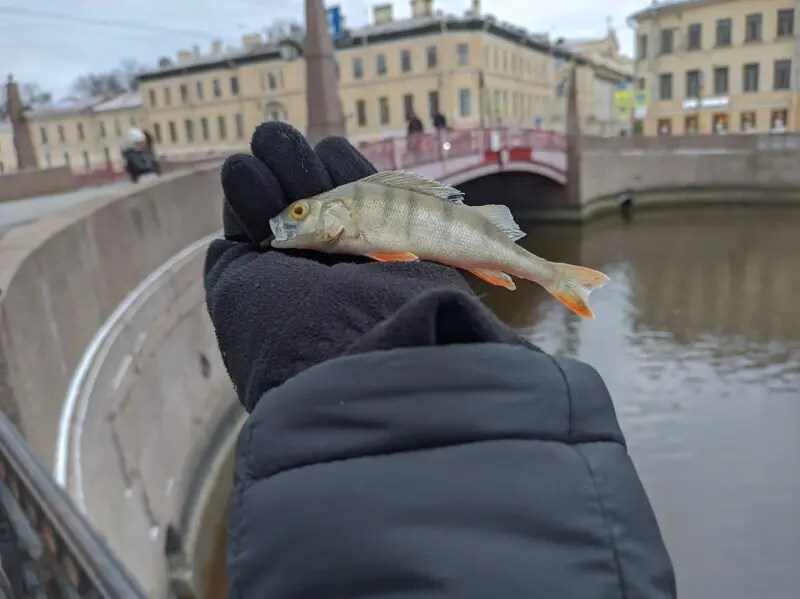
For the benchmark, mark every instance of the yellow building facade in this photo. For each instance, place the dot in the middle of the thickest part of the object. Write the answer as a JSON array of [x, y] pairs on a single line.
[[474, 70], [718, 66], [85, 135]]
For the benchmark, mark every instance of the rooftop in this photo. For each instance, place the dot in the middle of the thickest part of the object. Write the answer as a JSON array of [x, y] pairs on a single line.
[[670, 5], [123, 101]]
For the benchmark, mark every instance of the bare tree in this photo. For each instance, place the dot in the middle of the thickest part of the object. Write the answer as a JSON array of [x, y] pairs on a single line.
[[119, 80], [31, 95]]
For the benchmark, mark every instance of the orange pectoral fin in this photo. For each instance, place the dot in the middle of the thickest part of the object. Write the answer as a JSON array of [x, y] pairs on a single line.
[[403, 257], [576, 303], [495, 277]]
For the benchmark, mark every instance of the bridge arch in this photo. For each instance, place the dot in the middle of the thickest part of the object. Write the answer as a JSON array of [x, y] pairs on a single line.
[[485, 170]]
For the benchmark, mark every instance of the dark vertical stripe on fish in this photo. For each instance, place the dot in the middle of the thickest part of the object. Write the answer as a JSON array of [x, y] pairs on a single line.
[[413, 210], [449, 217], [389, 204]]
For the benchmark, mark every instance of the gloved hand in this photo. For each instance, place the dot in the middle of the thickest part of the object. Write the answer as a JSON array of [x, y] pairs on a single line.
[[278, 312]]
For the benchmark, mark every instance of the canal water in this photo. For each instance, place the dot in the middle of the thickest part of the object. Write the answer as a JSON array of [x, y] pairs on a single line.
[[698, 339]]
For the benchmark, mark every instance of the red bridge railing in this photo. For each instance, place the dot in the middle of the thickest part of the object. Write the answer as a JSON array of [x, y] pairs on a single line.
[[399, 153]]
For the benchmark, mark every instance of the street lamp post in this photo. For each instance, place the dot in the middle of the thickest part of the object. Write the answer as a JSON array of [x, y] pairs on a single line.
[[322, 90]]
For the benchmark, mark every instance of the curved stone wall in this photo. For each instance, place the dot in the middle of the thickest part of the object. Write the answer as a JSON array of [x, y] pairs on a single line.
[[152, 429], [61, 277]]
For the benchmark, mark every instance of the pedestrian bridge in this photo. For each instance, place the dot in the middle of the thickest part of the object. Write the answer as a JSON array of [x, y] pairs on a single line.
[[110, 371]]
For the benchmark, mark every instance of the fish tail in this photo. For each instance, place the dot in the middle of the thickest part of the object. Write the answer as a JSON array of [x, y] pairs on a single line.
[[572, 285]]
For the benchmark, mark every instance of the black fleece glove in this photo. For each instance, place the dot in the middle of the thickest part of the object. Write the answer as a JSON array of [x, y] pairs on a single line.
[[278, 312]]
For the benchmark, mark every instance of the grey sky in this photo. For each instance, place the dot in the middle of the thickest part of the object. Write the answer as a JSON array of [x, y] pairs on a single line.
[[54, 51]]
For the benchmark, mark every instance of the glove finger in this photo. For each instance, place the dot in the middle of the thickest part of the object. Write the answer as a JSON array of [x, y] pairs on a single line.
[[254, 196], [231, 226], [343, 162], [285, 152]]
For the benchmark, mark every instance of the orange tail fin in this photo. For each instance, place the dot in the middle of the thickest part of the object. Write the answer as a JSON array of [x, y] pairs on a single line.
[[573, 285]]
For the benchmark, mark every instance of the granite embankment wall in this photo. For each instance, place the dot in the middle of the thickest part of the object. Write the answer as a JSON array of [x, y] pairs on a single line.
[[728, 168], [61, 278]]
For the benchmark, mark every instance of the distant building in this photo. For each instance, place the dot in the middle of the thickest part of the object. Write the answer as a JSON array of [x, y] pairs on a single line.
[[85, 135], [473, 69], [718, 66], [8, 156]]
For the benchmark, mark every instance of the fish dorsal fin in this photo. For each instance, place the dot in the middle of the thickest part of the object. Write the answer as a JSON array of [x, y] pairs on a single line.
[[418, 183], [500, 216]]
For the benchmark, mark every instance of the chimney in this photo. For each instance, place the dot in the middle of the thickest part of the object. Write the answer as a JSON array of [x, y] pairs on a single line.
[[382, 13], [476, 9], [216, 47], [249, 42], [185, 56], [421, 8]]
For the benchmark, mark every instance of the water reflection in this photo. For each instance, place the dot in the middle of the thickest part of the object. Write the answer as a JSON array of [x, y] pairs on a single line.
[[698, 339], [699, 342]]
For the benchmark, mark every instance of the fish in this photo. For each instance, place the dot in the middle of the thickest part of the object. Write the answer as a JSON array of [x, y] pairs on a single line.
[[399, 216]]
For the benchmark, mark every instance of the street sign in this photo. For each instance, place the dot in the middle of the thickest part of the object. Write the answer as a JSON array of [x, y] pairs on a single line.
[[334, 14]]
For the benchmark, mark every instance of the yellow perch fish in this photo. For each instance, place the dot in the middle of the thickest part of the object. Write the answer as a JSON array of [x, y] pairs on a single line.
[[400, 216]]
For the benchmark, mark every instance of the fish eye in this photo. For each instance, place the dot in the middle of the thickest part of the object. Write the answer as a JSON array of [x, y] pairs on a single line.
[[299, 210]]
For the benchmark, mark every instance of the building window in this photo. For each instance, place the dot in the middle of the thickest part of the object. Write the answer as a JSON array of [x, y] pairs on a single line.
[[408, 105], [358, 68], [383, 110], [783, 74], [48, 161], [173, 132], [216, 88], [157, 132], [184, 93], [405, 61], [693, 84], [380, 64], [462, 51], [667, 41], [641, 83], [665, 86], [107, 154], [117, 127], [641, 47], [198, 88], [690, 125], [724, 27], [750, 77], [664, 127], [720, 81], [2, 167], [361, 113], [81, 135], [86, 162], [239, 124], [43, 134], [222, 128], [786, 22], [753, 26], [152, 94], [336, 71], [204, 128], [167, 96], [747, 122], [101, 127], [61, 136], [694, 37], [464, 103], [188, 127], [779, 121], [433, 103], [235, 86], [720, 121], [432, 58], [66, 158]]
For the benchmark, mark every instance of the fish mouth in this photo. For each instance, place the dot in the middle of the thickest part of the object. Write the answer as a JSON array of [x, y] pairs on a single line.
[[281, 231]]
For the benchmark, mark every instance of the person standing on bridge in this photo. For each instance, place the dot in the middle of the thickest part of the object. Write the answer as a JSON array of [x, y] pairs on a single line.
[[401, 440]]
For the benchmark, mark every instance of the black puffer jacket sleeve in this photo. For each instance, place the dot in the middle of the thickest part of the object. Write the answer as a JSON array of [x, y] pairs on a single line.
[[470, 471]]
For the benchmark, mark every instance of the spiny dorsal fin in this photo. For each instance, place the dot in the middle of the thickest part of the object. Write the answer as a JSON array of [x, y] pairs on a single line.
[[500, 216], [418, 183]]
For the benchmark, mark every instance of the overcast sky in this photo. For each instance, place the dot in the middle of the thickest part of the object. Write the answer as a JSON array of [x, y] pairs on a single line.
[[52, 43]]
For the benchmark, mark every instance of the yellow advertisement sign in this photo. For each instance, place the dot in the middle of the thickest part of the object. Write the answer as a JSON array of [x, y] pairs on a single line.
[[627, 101]]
